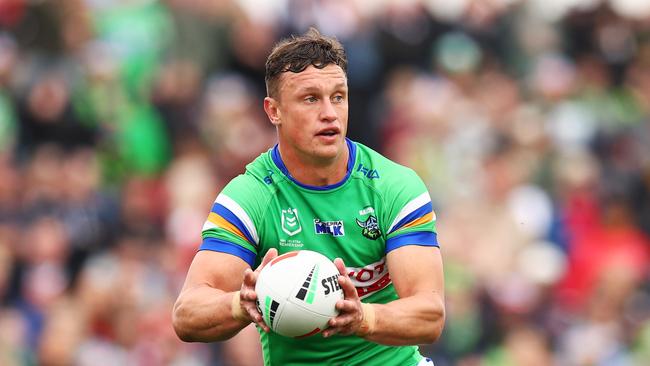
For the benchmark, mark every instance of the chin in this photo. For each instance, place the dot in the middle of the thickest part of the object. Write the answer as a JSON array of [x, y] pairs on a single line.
[[328, 152]]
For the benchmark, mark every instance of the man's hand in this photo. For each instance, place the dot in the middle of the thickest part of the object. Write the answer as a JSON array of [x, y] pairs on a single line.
[[247, 295], [350, 317]]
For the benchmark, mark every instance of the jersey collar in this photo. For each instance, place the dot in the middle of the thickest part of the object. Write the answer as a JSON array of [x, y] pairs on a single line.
[[352, 149]]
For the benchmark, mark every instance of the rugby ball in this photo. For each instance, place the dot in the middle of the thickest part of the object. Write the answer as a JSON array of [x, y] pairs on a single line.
[[297, 293]]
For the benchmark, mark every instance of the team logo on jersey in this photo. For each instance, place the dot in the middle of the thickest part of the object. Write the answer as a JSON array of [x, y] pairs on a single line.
[[290, 221], [370, 227], [334, 228]]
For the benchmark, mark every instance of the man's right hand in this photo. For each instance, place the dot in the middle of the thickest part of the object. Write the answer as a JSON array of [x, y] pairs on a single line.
[[247, 294]]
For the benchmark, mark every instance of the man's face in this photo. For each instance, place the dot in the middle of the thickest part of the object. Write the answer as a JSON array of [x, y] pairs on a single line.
[[312, 112]]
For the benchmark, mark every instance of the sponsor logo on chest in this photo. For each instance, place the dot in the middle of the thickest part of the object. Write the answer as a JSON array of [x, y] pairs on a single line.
[[334, 228], [370, 278]]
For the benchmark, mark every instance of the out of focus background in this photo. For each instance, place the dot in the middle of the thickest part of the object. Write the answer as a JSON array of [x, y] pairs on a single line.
[[121, 120]]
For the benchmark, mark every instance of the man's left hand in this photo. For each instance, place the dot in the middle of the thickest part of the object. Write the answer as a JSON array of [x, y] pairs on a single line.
[[350, 316]]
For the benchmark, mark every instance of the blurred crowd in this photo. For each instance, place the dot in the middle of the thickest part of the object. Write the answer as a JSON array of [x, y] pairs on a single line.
[[121, 120]]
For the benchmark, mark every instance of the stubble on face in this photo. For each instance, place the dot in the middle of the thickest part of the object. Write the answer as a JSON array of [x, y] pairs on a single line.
[[314, 112]]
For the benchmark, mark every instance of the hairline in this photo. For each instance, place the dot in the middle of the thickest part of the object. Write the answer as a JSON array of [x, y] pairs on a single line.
[[281, 79], [334, 55]]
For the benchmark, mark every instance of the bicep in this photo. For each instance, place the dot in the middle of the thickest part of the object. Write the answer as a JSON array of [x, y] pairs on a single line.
[[415, 269], [218, 270]]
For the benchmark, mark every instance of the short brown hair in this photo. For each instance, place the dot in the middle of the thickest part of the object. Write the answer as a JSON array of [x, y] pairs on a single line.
[[297, 53]]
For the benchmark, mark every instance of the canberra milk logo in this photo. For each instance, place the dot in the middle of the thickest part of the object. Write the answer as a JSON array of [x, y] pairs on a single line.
[[290, 222], [334, 228]]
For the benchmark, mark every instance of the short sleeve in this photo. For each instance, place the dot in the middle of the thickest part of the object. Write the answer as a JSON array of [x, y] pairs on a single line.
[[409, 218], [232, 224]]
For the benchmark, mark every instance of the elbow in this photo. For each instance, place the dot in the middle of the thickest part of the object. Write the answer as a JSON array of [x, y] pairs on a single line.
[[436, 332], [182, 334], [436, 327], [190, 328], [179, 324]]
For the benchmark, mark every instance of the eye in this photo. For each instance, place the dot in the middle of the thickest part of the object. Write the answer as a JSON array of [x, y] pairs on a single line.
[[338, 98], [311, 99]]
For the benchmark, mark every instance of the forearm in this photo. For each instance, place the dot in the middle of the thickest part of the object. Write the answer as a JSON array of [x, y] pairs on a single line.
[[204, 314], [418, 319]]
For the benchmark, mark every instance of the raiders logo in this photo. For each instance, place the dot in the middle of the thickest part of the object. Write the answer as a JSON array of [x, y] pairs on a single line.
[[370, 228]]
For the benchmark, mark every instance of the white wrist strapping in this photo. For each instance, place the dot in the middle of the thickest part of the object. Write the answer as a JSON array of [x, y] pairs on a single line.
[[368, 322], [237, 312]]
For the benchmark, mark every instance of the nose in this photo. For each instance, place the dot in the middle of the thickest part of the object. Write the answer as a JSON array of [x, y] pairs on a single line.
[[328, 112]]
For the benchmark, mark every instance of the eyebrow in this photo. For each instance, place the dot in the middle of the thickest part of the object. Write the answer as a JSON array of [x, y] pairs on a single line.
[[310, 89]]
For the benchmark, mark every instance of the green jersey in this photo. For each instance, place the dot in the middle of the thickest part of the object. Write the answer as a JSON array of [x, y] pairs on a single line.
[[379, 206]]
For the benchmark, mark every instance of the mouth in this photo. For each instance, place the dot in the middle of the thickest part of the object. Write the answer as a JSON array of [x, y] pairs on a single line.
[[328, 132]]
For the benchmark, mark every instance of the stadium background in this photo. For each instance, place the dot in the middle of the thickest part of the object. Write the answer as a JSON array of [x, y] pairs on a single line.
[[120, 120]]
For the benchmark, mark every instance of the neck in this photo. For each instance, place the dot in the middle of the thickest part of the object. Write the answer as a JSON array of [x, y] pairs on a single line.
[[316, 172]]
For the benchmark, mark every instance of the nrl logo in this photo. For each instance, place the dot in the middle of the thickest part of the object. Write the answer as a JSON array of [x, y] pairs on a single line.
[[290, 222], [370, 227]]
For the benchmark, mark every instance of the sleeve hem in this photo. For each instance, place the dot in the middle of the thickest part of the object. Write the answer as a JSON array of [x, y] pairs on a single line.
[[219, 245], [422, 238]]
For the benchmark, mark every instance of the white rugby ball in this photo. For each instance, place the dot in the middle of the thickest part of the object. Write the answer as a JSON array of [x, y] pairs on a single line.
[[297, 293]]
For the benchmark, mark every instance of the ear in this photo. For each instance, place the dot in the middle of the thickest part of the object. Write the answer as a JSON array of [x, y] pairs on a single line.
[[271, 107]]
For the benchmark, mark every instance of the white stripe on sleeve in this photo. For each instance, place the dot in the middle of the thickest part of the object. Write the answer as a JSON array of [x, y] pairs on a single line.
[[413, 205], [234, 207]]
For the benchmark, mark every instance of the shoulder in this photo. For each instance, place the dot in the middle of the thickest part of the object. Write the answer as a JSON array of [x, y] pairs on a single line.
[[255, 183], [261, 169], [382, 172]]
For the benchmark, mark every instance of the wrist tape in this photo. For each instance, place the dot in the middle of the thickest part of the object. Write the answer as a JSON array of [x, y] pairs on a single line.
[[368, 322], [237, 312]]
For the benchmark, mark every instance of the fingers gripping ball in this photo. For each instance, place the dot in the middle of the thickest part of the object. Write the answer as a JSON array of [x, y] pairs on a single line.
[[297, 293]]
